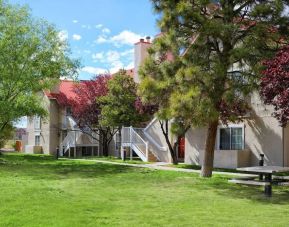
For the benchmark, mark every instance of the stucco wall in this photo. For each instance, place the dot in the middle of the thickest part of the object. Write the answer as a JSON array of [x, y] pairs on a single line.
[[44, 131], [155, 133], [31, 135], [286, 145], [262, 135], [54, 126], [140, 53]]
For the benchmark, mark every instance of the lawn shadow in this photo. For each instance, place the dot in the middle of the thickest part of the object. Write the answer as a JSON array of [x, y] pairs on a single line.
[[280, 194], [46, 167]]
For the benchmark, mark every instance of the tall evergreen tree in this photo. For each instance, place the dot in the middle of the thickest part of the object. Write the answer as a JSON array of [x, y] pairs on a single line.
[[209, 58]]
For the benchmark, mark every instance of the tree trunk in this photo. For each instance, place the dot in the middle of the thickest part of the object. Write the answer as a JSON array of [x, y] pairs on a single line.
[[208, 161], [172, 151], [165, 130], [104, 146]]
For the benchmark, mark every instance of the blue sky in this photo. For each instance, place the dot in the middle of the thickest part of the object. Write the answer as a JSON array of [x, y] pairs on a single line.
[[101, 33]]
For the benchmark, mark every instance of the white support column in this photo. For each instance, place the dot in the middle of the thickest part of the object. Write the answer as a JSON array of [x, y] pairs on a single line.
[[69, 152], [130, 134], [121, 152], [147, 151], [92, 150]]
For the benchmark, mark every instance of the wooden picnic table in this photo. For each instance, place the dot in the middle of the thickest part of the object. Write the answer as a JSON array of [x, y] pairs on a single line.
[[266, 171]]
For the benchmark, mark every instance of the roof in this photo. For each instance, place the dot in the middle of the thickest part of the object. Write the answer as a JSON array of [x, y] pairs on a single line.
[[129, 72], [62, 92]]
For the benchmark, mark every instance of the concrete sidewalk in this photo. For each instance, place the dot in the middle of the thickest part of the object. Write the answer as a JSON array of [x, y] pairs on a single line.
[[159, 166]]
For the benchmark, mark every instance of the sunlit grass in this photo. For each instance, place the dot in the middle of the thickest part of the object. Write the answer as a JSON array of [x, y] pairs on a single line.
[[40, 191]]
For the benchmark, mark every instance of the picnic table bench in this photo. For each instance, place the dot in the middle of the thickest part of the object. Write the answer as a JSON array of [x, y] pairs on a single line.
[[263, 171]]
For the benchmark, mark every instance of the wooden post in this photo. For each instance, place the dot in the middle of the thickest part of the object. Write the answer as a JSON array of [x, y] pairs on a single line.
[[268, 188], [57, 152], [130, 152]]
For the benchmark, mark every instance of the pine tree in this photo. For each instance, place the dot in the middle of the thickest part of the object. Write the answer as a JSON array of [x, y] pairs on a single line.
[[208, 58]]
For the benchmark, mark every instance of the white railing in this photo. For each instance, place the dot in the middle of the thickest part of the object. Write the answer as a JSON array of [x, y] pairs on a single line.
[[151, 139], [131, 138], [69, 141], [125, 135], [68, 122]]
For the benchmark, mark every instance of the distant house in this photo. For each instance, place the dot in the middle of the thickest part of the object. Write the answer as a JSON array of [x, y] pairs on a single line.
[[20, 133], [59, 129]]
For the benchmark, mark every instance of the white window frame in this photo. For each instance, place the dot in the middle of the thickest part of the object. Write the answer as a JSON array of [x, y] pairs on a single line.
[[37, 122], [37, 136], [230, 126]]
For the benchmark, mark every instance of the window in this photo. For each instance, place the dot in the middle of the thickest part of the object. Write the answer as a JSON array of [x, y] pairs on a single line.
[[37, 140], [68, 111], [231, 138], [37, 122]]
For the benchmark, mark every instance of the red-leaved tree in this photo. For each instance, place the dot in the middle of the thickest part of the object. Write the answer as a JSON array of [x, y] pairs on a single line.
[[275, 85], [87, 111]]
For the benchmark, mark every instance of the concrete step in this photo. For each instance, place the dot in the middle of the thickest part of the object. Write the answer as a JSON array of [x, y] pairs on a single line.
[[152, 157]]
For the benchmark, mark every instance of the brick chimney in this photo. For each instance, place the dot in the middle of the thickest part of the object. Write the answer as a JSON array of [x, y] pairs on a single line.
[[140, 53]]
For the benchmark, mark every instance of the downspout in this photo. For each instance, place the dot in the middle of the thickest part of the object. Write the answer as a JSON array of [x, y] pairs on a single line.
[[283, 146]]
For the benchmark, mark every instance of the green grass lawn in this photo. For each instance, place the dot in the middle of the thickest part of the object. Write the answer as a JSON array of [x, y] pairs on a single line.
[[114, 159], [39, 191]]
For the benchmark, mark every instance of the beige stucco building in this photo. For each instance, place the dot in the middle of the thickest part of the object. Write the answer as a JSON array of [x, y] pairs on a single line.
[[58, 129], [237, 144]]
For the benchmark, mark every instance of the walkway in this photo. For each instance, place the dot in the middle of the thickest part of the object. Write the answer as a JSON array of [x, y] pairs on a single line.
[[159, 166]]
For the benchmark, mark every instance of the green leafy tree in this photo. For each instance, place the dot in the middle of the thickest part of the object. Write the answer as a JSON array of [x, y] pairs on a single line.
[[119, 105], [209, 58], [33, 56], [5, 134]]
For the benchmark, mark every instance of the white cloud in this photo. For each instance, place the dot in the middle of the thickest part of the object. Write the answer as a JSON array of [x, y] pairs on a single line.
[[97, 56], [115, 60], [112, 56], [99, 26], [76, 37], [126, 38], [87, 51], [86, 26], [127, 52], [63, 35], [123, 38], [93, 70], [75, 21], [105, 30], [130, 65], [101, 39]]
